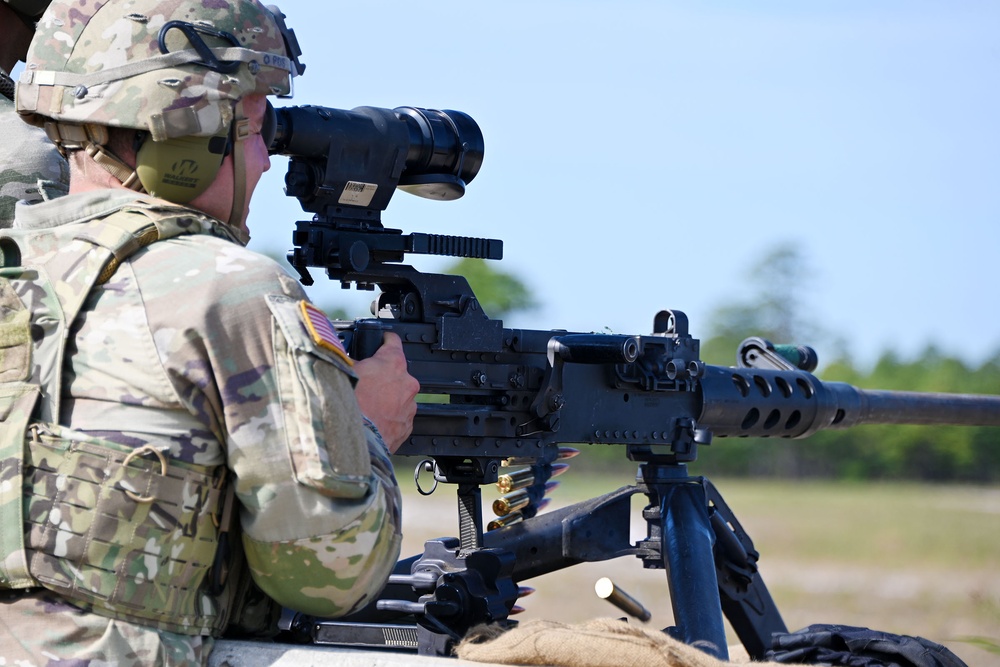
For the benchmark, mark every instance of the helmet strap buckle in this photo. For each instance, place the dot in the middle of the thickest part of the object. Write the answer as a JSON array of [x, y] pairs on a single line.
[[114, 166], [193, 33]]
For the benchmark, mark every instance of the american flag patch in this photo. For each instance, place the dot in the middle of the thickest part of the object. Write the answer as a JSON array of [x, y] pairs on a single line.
[[321, 330]]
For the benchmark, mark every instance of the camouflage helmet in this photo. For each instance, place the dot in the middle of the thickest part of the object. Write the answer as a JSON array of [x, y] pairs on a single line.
[[174, 68]]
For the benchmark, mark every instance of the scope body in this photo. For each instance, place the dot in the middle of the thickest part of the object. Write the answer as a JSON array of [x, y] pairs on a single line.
[[347, 164]]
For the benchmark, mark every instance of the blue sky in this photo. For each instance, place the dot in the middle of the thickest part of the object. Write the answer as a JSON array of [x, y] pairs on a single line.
[[642, 155]]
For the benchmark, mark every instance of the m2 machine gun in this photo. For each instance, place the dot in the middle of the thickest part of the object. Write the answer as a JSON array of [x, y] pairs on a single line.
[[509, 400]]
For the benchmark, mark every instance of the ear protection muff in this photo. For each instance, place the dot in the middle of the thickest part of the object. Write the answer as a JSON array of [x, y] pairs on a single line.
[[180, 169]]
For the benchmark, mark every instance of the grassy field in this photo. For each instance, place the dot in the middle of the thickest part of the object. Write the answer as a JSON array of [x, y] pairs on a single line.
[[909, 559]]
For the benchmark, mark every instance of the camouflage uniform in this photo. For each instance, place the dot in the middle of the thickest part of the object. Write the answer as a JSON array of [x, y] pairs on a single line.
[[30, 166], [200, 347], [177, 370]]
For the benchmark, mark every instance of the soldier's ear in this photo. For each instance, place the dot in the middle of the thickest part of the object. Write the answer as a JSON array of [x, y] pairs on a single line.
[[180, 169]]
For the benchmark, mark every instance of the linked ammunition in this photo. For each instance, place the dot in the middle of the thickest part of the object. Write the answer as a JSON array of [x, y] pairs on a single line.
[[512, 481], [558, 469], [504, 505], [522, 479], [500, 522]]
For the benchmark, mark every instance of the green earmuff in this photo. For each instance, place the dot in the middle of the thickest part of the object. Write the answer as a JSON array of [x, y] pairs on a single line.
[[180, 169]]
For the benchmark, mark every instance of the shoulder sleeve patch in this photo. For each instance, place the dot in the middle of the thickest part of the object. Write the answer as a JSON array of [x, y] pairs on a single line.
[[293, 323], [321, 330]]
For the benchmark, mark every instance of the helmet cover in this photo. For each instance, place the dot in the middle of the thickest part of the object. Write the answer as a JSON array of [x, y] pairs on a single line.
[[174, 68]]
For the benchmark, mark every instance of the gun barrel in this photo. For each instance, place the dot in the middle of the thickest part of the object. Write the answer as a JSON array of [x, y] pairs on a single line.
[[910, 407], [795, 404]]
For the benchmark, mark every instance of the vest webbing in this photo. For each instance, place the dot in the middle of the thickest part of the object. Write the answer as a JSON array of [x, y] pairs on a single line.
[[126, 533]]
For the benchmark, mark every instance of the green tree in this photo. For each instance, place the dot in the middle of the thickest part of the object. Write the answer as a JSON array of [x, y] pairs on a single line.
[[500, 293], [896, 452], [775, 308], [779, 289]]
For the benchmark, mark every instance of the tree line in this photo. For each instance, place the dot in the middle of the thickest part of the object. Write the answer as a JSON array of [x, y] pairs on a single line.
[[875, 452], [775, 311]]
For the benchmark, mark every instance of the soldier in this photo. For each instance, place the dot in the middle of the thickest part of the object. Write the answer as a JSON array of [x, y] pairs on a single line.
[[177, 421], [30, 166]]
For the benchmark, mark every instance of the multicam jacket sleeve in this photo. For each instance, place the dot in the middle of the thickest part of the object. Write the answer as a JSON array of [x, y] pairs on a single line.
[[203, 344], [31, 168]]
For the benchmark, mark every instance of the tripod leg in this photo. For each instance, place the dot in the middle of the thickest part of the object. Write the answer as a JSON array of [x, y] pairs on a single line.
[[746, 602], [687, 546]]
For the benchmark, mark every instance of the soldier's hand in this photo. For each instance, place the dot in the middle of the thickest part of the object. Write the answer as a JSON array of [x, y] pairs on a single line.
[[386, 392]]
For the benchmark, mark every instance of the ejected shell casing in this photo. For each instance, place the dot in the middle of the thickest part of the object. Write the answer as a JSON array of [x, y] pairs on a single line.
[[518, 479], [504, 505], [606, 590], [500, 522]]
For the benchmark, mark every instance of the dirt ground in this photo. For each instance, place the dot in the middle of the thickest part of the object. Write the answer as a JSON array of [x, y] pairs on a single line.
[[939, 602]]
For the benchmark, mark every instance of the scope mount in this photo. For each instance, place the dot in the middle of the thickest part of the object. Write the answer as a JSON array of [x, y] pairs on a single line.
[[367, 254]]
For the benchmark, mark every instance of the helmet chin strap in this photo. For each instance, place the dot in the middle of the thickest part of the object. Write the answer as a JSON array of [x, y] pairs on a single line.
[[93, 139], [114, 166]]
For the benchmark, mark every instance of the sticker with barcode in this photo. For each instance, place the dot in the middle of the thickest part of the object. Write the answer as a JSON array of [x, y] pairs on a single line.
[[357, 194]]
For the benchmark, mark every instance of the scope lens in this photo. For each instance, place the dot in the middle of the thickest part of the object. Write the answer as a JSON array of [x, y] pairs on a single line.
[[441, 142]]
